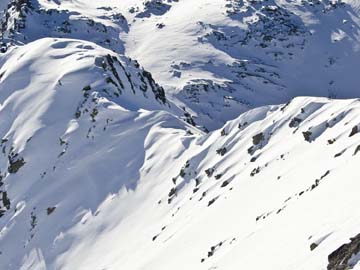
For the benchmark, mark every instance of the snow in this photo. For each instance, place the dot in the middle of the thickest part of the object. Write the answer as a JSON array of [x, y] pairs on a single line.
[[102, 166], [219, 58], [301, 67]]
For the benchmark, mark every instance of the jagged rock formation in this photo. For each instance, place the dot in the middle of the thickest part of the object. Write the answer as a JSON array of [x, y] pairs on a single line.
[[346, 256]]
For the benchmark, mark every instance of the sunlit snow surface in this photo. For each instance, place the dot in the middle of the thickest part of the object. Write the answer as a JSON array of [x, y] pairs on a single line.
[[99, 170]]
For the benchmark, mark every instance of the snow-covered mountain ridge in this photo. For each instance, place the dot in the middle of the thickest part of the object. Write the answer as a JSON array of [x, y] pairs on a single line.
[[106, 165], [226, 56]]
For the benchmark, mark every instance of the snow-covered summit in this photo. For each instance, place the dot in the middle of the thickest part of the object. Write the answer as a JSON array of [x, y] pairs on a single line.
[[69, 107], [106, 165]]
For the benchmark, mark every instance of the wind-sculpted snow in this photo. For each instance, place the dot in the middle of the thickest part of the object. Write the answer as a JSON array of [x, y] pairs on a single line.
[[49, 87], [105, 165], [91, 179], [75, 121]]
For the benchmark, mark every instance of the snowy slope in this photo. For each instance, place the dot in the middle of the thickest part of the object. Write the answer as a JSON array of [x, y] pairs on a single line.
[[104, 165], [216, 58], [67, 108], [229, 56], [140, 192]]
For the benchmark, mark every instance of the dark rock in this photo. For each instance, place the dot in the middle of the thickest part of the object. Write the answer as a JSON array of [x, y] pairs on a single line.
[[183, 169], [307, 136], [197, 182], [295, 122], [15, 164], [283, 108], [255, 171], [87, 88], [212, 201], [357, 149], [50, 210], [258, 138], [209, 172], [313, 246], [251, 150], [339, 154], [340, 258], [5, 200], [331, 141], [325, 174], [160, 25], [172, 192], [225, 183], [222, 151], [242, 125], [354, 131]]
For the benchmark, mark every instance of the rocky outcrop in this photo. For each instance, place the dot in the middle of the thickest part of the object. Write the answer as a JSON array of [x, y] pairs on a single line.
[[343, 257]]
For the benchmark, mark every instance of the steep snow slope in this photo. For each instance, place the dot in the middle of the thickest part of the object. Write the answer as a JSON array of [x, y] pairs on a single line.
[[74, 125], [96, 176], [103, 168]]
